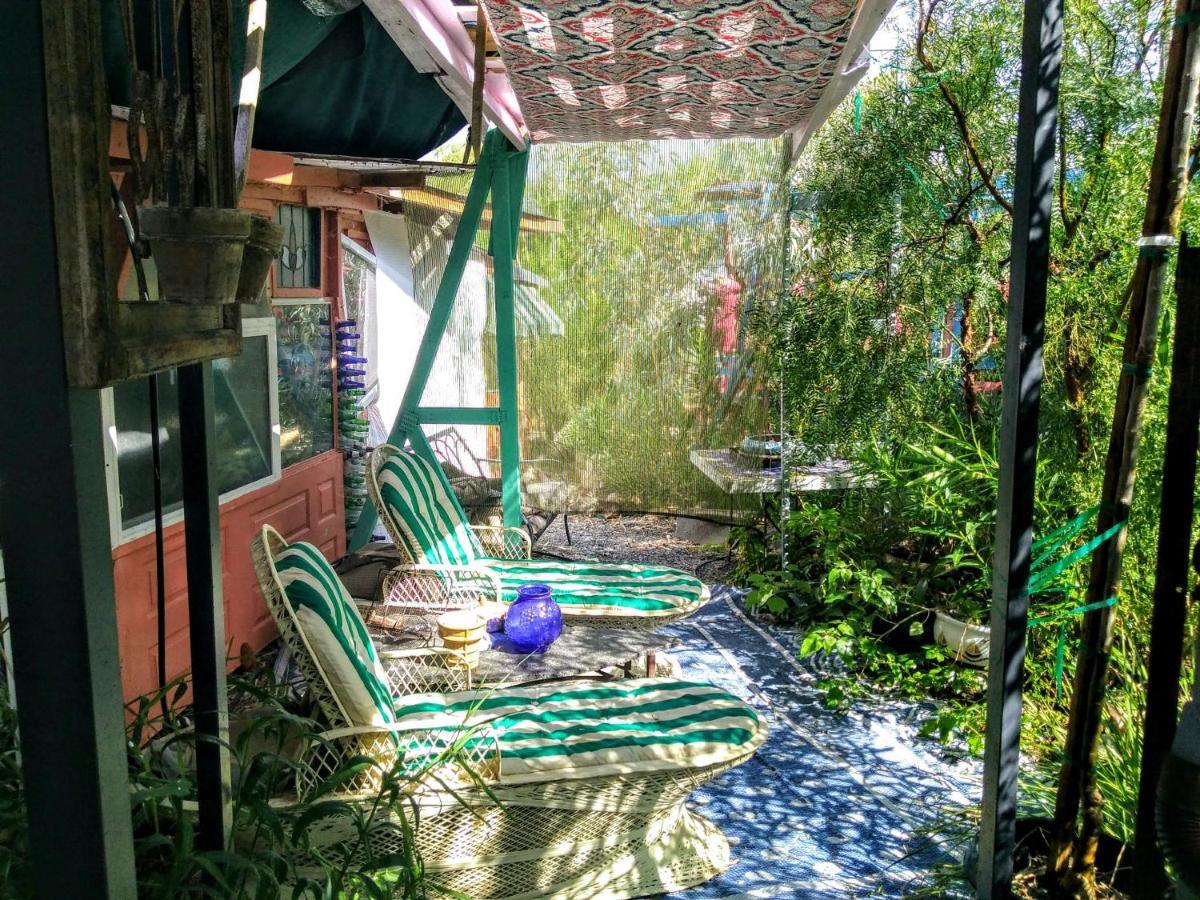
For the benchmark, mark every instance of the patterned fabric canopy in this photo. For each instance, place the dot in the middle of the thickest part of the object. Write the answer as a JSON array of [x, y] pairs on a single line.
[[617, 70]]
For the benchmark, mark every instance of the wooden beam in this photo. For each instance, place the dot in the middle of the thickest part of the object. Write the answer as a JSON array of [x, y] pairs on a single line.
[[400, 28], [443, 39], [321, 176], [340, 199], [272, 167], [79, 145], [391, 179], [276, 193]]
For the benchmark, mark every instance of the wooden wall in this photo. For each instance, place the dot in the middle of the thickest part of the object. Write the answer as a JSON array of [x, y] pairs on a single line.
[[305, 504]]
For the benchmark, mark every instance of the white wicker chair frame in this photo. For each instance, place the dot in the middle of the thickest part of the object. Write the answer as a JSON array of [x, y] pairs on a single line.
[[481, 583], [604, 838]]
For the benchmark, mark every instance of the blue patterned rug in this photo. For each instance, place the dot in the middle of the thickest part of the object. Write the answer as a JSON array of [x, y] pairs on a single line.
[[835, 804]]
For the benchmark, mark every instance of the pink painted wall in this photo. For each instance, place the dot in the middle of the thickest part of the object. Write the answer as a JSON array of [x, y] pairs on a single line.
[[305, 504]]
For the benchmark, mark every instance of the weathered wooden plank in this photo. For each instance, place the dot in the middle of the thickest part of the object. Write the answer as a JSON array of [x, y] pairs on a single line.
[[391, 179], [339, 199], [278, 193], [141, 357], [77, 104], [140, 321]]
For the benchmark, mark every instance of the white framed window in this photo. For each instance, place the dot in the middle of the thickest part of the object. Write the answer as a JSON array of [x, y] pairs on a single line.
[[246, 453]]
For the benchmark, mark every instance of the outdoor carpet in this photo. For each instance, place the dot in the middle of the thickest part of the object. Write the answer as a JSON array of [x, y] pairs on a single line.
[[835, 804]]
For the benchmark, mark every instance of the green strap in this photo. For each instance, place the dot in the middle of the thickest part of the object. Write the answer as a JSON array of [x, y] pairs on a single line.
[[1060, 660], [1060, 650], [1059, 536], [924, 188], [1067, 613], [1044, 577], [920, 182]]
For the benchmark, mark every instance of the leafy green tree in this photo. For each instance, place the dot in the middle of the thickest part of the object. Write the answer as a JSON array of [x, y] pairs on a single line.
[[894, 332]]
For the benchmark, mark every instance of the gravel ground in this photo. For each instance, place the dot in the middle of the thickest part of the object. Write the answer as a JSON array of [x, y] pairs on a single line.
[[638, 539]]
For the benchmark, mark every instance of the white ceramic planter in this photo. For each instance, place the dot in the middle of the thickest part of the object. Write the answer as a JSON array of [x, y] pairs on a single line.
[[969, 642]]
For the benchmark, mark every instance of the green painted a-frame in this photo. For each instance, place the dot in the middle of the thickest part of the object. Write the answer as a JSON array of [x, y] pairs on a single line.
[[500, 175]]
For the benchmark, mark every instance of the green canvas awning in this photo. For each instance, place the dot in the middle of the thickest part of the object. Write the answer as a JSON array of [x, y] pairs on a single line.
[[334, 84]]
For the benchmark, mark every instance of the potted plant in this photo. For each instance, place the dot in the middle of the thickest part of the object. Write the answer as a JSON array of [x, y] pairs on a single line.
[[969, 642], [206, 251], [956, 594], [957, 625]]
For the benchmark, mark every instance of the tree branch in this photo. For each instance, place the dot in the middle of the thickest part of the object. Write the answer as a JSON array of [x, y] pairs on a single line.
[[956, 110]]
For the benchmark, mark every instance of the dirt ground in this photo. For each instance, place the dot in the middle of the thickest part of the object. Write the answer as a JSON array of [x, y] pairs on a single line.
[[1026, 887], [641, 539]]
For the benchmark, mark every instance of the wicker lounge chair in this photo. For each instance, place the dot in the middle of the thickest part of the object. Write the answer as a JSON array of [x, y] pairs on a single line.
[[424, 519], [478, 492], [584, 783]]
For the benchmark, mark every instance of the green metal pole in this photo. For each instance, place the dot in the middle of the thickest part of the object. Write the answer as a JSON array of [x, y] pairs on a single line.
[[439, 317], [507, 196]]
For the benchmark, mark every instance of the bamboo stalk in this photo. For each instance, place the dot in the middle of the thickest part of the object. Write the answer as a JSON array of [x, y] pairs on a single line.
[[1169, 618], [1073, 861]]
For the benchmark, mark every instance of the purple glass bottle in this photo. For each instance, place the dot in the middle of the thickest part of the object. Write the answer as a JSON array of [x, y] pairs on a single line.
[[533, 620]]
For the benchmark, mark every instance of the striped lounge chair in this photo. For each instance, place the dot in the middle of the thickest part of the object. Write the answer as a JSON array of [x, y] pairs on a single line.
[[423, 517], [579, 787]]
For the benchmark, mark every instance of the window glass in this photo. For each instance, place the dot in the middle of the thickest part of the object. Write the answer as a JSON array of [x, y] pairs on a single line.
[[298, 264], [242, 420], [305, 396]]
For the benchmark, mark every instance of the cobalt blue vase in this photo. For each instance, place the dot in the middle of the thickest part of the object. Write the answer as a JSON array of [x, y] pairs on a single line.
[[533, 621]]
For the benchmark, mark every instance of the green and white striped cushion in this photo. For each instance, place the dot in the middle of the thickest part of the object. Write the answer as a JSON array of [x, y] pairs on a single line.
[[587, 729], [335, 631], [603, 589], [418, 498]]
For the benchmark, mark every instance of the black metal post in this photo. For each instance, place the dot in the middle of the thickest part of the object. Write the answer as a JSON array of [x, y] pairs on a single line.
[[1033, 178], [54, 526], [1168, 622], [206, 610]]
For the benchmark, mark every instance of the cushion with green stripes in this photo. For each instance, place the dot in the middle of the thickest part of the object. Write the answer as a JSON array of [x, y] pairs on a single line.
[[335, 631], [603, 589], [585, 729], [418, 499]]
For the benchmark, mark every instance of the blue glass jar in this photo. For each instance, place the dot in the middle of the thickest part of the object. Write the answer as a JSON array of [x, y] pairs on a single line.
[[533, 621]]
